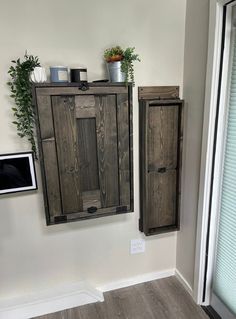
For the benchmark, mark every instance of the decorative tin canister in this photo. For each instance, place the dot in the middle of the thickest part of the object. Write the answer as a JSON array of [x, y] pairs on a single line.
[[59, 74], [78, 75]]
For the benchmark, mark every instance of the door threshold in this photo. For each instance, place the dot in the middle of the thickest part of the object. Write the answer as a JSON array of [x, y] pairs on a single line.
[[211, 312]]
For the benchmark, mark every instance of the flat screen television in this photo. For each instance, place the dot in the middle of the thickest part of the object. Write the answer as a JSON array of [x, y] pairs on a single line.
[[17, 173]]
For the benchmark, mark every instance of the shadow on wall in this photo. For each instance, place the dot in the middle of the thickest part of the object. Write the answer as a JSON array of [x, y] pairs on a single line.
[[186, 107], [83, 224], [6, 228]]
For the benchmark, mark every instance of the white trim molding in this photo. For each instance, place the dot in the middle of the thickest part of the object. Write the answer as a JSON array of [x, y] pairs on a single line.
[[184, 282], [211, 93], [207, 220], [146, 278], [49, 301], [74, 295], [137, 280]]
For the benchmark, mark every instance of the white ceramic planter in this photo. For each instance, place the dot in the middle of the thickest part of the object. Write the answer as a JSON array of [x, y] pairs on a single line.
[[38, 75]]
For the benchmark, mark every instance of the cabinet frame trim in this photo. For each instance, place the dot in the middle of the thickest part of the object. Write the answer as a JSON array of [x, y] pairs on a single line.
[[49, 89], [144, 105]]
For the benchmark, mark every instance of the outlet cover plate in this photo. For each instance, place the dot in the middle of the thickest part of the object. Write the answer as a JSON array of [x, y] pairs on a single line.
[[137, 246]]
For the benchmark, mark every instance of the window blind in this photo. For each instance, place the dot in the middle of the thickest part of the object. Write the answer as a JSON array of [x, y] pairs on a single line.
[[224, 282]]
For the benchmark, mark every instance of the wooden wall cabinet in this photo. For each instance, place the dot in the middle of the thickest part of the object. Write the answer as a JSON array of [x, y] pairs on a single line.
[[85, 146], [161, 133]]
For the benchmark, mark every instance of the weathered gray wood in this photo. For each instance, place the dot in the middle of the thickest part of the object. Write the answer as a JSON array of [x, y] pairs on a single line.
[[123, 148], [158, 92], [130, 95], [45, 116], [60, 126], [85, 106], [103, 211], [161, 199], [107, 150], [143, 125], [162, 137], [67, 153], [180, 156], [159, 299], [67, 90], [91, 198], [87, 143], [51, 176], [160, 154]]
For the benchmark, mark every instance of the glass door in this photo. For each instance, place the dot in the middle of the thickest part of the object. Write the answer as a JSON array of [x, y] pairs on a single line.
[[223, 291]]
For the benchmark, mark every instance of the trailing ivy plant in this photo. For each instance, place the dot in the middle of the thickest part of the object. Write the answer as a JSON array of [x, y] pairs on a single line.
[[127, 64], [20, 87]]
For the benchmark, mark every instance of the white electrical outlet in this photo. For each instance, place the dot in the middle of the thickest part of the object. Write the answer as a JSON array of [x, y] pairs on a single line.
[[137, 246]]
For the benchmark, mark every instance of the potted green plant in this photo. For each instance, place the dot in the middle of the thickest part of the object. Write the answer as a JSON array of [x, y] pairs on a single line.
[[120, 63], [20, 86]]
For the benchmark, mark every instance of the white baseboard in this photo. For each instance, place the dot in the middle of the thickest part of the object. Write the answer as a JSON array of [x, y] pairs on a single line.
[[136, 280], [184, 282], [49, 301], [74, 295]]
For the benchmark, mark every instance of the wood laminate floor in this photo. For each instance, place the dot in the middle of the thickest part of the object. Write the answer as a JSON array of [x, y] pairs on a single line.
[[159, 299]]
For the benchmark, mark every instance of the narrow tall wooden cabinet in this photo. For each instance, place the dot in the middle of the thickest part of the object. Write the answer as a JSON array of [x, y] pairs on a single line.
[[85, 146], [161, 133]]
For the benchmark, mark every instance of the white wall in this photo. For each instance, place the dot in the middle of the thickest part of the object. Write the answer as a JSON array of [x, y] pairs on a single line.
[[195, 58], [75, 32]]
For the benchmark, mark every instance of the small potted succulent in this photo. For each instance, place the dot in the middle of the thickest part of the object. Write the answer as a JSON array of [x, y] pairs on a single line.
[[120, 64]]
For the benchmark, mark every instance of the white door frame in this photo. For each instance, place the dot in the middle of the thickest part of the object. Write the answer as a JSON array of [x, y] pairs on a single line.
[[208, 141]]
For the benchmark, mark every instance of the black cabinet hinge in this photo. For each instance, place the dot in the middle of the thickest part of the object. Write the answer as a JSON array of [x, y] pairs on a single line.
[[60, 219], [92, 209], [121, 209]]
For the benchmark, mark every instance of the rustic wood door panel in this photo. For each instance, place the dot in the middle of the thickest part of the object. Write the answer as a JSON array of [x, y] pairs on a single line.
[[162, 199], [52, 184], [162, 136], [67, 153], [86, 113], [87, 140], [86, 152], [97, 118], [161, 133], [112, 115], [49, 156], [123, 128], [107, 145]]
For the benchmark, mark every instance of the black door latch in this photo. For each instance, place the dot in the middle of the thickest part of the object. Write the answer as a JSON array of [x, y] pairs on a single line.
[[162, 170], [92, 209]]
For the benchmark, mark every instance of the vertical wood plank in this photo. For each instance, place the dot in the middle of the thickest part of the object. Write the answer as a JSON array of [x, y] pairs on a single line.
[[160, 147], [87, 140], [180, 155], [162, 199], [130, 97], [67, 151], [45, 116], [51, 176], [162, 136], [123, 148], [107, 150], [48, 157], [143, 111]]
